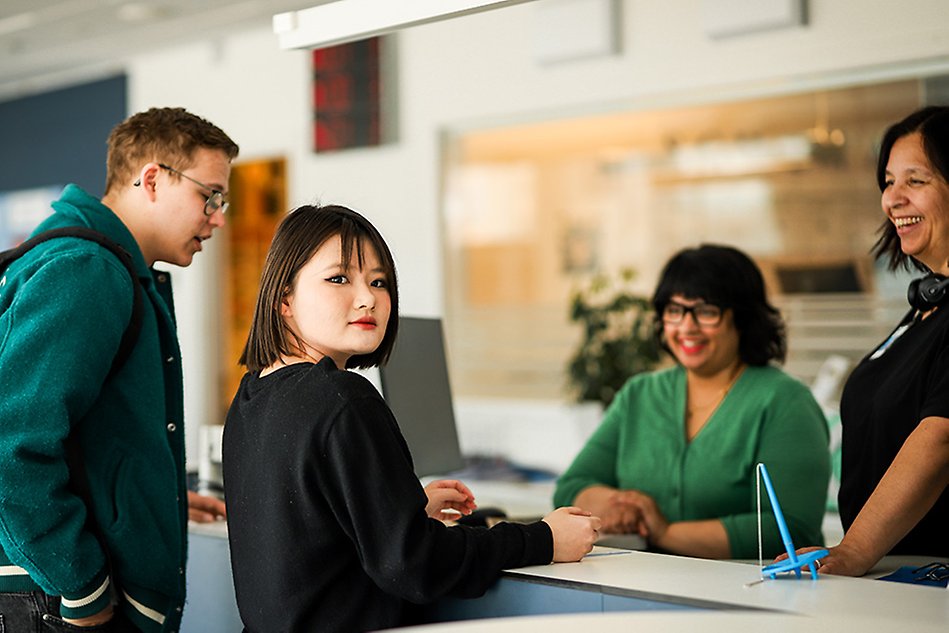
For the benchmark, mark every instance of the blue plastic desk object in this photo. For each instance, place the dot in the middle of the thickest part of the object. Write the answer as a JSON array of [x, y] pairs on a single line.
[[793, 562]]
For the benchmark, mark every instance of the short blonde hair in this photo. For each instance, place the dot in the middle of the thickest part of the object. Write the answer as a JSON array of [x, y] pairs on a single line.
[[161, 135]]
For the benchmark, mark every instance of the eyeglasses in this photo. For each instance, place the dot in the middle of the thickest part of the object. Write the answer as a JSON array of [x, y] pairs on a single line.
[[215, 201], [934, 572], [702, 313]]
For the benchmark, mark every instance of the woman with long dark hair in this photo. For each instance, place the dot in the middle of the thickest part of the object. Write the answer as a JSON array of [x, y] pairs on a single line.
[[895, 406]]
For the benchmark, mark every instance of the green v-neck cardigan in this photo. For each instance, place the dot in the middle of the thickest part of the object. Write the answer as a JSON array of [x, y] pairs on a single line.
[[767, 416]]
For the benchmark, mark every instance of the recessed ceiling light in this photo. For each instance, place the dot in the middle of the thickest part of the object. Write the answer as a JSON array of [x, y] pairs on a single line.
[[18, 22], [140, 12]]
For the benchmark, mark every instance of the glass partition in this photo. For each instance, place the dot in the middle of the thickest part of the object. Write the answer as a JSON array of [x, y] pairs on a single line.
[[532, 211]]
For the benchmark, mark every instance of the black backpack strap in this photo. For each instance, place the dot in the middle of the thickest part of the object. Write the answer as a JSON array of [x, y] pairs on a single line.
[[79, 479], [134, 327]]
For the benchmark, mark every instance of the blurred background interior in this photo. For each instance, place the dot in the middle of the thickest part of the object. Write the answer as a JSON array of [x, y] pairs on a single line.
[[510, 156]]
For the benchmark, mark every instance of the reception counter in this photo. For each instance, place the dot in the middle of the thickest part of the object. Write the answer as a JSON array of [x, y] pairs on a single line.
[[672, 593], [615, 590]]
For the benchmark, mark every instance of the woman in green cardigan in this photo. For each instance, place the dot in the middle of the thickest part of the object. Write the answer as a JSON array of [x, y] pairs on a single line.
[[674, 458]]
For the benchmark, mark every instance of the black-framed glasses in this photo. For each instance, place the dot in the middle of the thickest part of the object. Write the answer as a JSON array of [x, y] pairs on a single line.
[[935, 572], [703, 313], [215, 201]]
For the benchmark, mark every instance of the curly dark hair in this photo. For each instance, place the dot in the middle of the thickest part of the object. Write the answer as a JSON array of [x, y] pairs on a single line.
[[932, 123], [725, 277]]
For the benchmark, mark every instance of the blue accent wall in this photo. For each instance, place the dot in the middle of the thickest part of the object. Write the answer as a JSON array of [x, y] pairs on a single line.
[[59, 137]]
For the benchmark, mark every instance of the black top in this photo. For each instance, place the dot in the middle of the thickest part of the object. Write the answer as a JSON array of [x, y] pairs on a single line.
[[326, 518], [884, 399]]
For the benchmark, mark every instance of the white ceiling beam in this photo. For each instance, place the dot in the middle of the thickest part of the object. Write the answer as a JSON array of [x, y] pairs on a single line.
[[351, 20]]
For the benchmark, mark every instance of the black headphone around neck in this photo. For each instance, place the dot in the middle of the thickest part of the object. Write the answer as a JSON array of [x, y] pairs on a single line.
[[927, 292]]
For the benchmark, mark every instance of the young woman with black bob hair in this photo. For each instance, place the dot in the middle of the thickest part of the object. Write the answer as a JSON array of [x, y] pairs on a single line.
[[674, 458], [329, 528]]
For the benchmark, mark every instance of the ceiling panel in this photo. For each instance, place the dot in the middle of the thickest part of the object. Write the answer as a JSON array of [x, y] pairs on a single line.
[[49, 43]]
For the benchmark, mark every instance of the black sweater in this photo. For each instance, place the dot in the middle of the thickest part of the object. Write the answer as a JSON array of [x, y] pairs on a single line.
[[883, 402], [326, 518]]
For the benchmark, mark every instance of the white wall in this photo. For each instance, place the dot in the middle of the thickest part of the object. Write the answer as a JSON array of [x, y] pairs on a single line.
[[480, 68]]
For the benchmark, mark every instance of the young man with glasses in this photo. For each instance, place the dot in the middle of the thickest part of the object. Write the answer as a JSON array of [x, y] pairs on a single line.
[[104, 544]]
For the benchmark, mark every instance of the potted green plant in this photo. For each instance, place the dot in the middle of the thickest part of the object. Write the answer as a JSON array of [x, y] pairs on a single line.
[[617, 336]]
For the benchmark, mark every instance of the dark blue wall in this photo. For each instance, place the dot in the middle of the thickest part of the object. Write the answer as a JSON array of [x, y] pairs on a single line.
[[59, 137]]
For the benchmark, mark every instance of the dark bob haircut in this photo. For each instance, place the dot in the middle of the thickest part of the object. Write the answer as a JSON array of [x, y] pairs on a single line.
[[298, 237], [932, 123], [727, 278]]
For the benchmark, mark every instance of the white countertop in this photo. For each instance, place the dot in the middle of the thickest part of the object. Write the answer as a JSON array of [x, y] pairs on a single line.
[[214, 528], [886, 605], [655, 621], [785, 605]]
